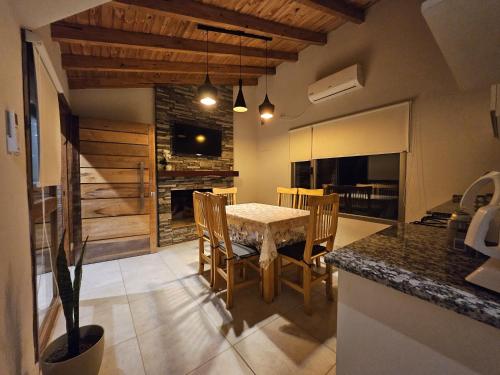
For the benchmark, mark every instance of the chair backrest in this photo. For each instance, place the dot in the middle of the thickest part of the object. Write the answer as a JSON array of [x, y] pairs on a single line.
[[304, 195], [217, 223], [323, 220], [287, 197], [229, 193], [200, 202]]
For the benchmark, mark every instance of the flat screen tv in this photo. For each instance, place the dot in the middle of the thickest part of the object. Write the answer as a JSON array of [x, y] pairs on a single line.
[[196, 140]]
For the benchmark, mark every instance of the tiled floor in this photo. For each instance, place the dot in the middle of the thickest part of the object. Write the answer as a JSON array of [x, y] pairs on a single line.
[[160, 317]]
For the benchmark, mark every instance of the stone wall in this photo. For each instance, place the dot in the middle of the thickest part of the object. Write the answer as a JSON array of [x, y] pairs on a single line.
[[179, 103]]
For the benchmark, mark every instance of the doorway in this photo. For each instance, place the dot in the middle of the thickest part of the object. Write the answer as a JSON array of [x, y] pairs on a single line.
[[118, 188]]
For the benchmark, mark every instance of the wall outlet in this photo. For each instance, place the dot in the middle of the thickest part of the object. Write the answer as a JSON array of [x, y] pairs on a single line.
[[12, 129]]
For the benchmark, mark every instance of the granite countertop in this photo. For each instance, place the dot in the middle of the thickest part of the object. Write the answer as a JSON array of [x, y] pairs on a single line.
[[415, 260]]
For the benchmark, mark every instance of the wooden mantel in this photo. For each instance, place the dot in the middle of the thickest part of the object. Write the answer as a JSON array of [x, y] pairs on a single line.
[[196, 173]]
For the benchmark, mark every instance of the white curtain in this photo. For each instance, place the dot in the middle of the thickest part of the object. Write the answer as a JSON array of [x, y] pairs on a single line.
[[49, 126]]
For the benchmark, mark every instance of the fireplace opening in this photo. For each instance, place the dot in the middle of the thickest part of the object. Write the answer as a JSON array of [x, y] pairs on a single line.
[[182, 206]]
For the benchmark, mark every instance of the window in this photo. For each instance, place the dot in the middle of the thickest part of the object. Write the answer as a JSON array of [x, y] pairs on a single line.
[[367, 185]]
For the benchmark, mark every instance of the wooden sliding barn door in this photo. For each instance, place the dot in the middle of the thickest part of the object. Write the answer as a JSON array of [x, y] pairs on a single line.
[[118, 185]]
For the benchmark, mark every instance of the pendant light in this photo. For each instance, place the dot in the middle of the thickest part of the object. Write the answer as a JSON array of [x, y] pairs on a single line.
[[239, 104], [266, 109], [207, 93]]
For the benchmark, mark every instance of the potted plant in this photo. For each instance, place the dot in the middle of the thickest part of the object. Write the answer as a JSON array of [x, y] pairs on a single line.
[[79, 351]]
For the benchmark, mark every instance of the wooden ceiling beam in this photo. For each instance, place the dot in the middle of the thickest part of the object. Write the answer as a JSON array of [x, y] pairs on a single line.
[[338, 8], [211, 15], [100, 64], [151, 81], [74, 33]]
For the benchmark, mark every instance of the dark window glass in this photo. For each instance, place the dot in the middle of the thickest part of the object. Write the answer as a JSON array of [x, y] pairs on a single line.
[[302, 174], [367, 185]]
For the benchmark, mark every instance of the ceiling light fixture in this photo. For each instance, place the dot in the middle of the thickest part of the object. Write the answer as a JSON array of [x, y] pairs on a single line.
[[207, 93], [266, 109], [239, 104]]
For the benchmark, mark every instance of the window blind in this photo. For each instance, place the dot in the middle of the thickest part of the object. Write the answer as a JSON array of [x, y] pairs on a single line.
[[300, 144], [380, 131], [49, 125]]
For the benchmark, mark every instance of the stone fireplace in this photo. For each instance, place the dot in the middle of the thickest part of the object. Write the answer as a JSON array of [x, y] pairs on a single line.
[[178, 103]]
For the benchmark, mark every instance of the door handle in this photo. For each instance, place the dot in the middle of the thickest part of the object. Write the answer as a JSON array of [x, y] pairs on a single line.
[[141, 185]]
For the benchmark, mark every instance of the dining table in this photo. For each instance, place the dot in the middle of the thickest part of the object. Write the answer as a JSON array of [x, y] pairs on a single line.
[[266, 228]]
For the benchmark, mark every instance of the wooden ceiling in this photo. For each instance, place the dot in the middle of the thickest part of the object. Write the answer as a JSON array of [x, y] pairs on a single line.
[[140, 43]]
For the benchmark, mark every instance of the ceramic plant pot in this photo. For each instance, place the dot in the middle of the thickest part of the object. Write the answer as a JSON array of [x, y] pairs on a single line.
[[86, 363]]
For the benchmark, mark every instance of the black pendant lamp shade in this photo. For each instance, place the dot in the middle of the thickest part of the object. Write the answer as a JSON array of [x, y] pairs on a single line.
[[239, 103], [207, 93], [266, 109]]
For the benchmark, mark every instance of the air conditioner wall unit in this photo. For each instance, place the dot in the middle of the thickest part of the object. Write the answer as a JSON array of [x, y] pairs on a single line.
[[340, 83]]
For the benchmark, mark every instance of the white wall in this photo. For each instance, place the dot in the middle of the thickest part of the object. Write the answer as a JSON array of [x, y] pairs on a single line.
[[16, 307], [16, 298], [452, 142], [245, 147]]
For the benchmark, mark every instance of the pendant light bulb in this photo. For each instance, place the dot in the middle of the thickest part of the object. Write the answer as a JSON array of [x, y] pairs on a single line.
[[266, 109], [207, 93]]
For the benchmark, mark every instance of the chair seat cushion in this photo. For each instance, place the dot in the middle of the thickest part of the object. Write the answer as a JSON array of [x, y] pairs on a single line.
[[241, 251], [296, 250], [206, 235]]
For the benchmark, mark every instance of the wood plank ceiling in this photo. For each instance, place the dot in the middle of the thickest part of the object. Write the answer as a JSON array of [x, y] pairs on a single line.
[[140, 43]]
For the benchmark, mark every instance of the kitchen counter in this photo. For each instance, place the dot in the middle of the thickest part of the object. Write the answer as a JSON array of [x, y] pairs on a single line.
[[414, 260], [404, 304]]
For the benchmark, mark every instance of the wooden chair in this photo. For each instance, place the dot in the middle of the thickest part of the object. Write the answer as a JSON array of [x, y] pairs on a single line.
[[287, 197], [322, 228], [303, 197], [228, 255], [229, 193], [200, 206]]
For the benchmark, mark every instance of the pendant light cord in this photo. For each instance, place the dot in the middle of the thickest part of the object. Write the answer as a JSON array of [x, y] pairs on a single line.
[[240, 57], [266, 67], [207, 51]]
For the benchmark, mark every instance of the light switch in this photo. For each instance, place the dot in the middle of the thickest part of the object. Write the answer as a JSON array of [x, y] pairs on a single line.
[[12, 128]]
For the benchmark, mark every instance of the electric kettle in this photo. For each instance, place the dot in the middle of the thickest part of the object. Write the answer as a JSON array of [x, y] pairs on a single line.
[[484, 232]]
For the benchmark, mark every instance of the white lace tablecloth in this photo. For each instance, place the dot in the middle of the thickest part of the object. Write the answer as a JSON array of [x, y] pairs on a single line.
[[266, 227]]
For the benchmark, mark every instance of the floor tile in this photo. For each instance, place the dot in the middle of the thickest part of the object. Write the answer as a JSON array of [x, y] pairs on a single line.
[[228, 362], [321, 324], [281, 347], [182, 259], [161, 317], [116, 321], [249, 311], [169, 305], [333, 371], [181, 346], [123, 358], [101, 275], [145, 274], [92, 306]]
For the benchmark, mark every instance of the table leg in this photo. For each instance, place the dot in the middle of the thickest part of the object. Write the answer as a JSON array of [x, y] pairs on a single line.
[[268, 283]]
